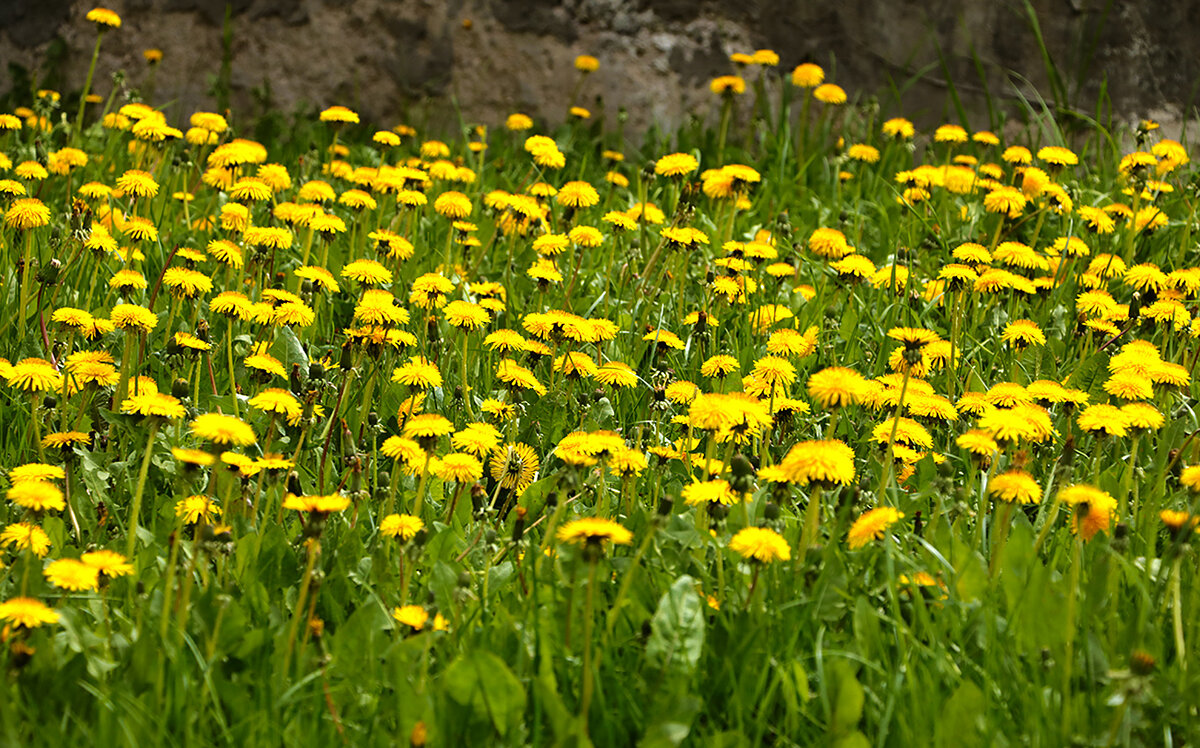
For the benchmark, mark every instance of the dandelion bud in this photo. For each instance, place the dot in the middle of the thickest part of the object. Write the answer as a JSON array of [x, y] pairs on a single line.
[[294, 382], [431, 328], [740, 465], [780, 491], [665, 505], [48, 275], [1141, 663], [49, 402], [346, 363], [1135, 305], [293, 484], [180, 388], [489, 537], [552, 499], [316, 371], [718, 511], [421, 536], [22, 654], [518, 529], [464, 579], [771, 511]]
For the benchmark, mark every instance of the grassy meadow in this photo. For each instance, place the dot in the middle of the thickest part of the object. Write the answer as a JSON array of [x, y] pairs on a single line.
[[795, 426]]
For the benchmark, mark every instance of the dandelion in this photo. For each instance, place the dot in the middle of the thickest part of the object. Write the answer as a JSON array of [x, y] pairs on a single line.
[[872, 525], [513, 466], [760, 544], [676, 165], [37, 495], [1092, 509], [25, 536], [1015, 486], [807, 75], [595, 531], [223, 430], [72, 574], [109, 564], [27, 612]]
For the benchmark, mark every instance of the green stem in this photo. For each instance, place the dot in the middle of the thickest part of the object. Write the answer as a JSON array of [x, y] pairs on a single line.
[[420, 501], [87, 84], [136, 508], [1069, 659], [314, 548], [232, 378], [586, 700], [466, 388]]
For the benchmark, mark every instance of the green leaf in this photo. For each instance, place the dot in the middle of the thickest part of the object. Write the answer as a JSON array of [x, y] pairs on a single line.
[[854, 740], [546, 689], [849, 325], [95, 476], [677, 629], [665, 735], [291, 351], [483, 682], [848, 698], [962, 717]]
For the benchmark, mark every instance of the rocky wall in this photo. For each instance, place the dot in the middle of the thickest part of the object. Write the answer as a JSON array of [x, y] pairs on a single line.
[[406, 60]]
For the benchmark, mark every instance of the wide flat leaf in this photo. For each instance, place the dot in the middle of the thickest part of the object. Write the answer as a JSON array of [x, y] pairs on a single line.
[[483, 682], [677, 629]]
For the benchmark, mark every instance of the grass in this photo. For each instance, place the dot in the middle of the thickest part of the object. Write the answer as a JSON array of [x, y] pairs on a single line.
[[336, 576]]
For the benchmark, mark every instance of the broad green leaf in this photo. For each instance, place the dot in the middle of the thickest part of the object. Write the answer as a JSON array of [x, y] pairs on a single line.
[[854, 740], [677, 629], [962, 718], [848, 698], [290, 348], [483, 682]]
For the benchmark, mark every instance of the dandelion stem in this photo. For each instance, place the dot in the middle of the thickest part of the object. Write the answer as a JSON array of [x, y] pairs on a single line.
[[420, 498], [1073, 593], [87, 86], [588, 678], [136, 507], [1177, 613], [314, 548], [26, 274], [232, 378], [466, 389]]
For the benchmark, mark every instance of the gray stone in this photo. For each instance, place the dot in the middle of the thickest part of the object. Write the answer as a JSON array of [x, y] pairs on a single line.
[[657, 56]]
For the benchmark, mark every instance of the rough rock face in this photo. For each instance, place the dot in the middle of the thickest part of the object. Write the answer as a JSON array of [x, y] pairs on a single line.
[[409, 60]]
